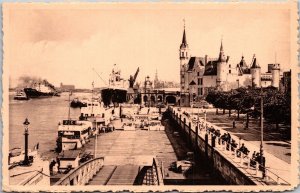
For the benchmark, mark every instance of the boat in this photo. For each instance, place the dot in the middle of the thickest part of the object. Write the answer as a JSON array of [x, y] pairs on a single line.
[[96, 113], [76, 103], [116, 92], [20, 95], [73, 134], [40, 90]]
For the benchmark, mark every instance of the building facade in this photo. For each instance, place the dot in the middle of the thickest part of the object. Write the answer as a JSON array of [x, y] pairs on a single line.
[[200, 74]]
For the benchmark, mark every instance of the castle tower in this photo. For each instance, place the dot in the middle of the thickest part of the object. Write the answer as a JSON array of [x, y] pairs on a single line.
[[184, 58], [275, 75], [221, 66], [255, 73]]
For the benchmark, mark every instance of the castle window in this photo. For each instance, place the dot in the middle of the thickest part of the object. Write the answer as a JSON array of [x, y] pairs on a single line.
[[200, 91], [200, 81], [229, 65], [182, 54], [229, 71]]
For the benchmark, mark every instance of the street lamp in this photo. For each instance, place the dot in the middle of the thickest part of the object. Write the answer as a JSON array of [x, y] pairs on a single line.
[[262, 131], [26, 123]]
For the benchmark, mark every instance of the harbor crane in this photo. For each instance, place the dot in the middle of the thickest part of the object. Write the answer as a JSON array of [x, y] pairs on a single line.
[[133, 78]]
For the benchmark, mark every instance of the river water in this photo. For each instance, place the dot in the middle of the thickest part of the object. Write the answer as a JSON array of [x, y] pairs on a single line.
[[44, 114]]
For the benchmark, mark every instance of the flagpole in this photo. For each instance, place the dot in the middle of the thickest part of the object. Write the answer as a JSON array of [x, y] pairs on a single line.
[[69, 112], [92, 97]]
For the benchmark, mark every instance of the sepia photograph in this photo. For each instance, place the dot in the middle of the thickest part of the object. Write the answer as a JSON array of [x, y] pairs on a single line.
[[150, 96]]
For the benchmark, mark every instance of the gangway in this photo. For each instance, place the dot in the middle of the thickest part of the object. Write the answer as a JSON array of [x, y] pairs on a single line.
[[95, 172]]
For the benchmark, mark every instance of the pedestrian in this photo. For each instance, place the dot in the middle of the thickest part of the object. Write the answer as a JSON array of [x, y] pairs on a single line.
[[233, 124]]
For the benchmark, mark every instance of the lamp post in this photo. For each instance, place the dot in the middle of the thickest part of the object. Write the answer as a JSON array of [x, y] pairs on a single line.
[[262, 131], [205, 121], [26, 123]]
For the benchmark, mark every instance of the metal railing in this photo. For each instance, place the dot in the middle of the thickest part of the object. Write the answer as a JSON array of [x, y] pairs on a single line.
[[157, 173], [35, 178], [83, 174], [268, 177]]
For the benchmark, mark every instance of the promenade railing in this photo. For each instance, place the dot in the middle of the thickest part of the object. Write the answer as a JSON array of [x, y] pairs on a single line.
[[268, 177], [83, 174]]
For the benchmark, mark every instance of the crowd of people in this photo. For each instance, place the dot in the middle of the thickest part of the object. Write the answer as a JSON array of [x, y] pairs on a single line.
[[232, 145]]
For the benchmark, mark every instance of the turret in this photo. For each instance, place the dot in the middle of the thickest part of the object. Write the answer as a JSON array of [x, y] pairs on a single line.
[[184, 50], [275, 75], [184, 58], [222, 66], [255, 73]]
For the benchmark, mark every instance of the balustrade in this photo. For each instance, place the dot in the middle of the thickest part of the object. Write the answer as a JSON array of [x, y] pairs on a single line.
[[83, 174]]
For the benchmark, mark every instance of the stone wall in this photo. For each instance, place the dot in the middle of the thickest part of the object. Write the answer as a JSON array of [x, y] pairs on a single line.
[[218, 162]]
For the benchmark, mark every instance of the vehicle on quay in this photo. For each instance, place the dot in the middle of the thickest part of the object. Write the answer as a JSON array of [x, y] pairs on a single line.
[[21, 95], [73, 134], [129, 126]]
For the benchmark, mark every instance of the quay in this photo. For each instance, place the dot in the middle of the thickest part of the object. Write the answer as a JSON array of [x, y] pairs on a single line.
[[235, 170], [127, 159], [148, 157]]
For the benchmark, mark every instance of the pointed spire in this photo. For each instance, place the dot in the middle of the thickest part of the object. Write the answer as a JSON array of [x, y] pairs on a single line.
[[254, 63], [243, 62], [221, 47], [222, 57], [184, 42]]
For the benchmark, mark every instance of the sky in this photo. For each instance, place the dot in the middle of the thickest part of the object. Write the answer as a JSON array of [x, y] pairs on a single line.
[[64, 42]]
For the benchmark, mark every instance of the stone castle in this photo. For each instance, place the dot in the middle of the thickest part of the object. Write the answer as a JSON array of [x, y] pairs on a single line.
[[199, 74]]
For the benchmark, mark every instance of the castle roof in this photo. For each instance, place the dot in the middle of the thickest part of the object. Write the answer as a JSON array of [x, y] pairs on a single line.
[[254, 63], [192, 83], [242, 67], [184, 42], [194, 61], [222, 57], [211, 68]]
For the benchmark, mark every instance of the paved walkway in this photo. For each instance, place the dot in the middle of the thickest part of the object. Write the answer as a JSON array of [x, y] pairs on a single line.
[[275, 166], [139, 143]]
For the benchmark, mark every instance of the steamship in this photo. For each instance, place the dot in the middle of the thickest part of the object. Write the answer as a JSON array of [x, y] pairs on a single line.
[[116, 92], [40, 90]]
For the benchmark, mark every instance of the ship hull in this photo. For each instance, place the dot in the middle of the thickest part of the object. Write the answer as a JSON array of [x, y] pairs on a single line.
[[33, 93], [110, 96], [21, 98]]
